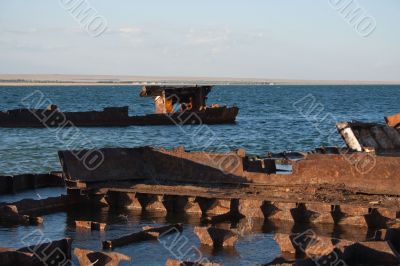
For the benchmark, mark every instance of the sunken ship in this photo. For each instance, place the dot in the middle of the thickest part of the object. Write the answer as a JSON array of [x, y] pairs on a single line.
[[174, 105]]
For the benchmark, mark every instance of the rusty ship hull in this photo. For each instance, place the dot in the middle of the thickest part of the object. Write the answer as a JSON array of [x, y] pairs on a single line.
[[331, 175], [112, 117], [340, 169]]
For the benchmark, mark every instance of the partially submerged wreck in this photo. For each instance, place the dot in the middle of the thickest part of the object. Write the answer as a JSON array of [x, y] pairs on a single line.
[[330, 187], [369, 164], [190, 100], [331, 205]]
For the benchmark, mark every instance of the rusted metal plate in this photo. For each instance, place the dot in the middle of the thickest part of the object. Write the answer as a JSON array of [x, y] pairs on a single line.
[[393, 120], [17, 183], [147, 163], [90, 257], [109, 118], [360, 136], [144, 235], [361, 172]]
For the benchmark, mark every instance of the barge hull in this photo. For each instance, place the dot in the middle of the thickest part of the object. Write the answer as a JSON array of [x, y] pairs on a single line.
[[360, 172], [112, 117]]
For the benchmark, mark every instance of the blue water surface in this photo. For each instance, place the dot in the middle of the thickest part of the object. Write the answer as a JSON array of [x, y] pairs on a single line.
[[271, 118]]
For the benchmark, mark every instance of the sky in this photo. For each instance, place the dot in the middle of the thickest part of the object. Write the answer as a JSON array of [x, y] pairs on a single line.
[[276, 39]]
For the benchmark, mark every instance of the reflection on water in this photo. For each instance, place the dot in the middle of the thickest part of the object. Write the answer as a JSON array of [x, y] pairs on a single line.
[[255, 245], [249, 249], [16, 237], [37, 194]]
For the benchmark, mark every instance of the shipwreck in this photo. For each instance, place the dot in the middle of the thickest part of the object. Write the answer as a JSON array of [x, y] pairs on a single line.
[[356, 186], [327, 206], [174, 105], [369, 164]]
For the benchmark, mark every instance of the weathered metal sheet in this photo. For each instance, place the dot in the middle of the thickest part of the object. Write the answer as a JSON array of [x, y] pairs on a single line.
[[361, 136], [393, 120], [362, 172], [146, 163], [111, 117]]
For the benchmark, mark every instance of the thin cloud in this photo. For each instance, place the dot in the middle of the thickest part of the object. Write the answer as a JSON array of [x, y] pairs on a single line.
[[21, 31]]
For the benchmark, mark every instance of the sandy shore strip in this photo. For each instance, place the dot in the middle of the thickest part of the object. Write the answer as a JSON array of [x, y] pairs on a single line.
[[108, 80]]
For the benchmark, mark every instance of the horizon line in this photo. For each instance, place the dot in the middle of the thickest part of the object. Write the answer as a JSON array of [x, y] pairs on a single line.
[[97, 79]]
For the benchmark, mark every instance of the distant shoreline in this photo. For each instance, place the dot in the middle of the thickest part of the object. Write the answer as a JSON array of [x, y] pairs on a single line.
[[27, 84], [71, 84], [107, 80]]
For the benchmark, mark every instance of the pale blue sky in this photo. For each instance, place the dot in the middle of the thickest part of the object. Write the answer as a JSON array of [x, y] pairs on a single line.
[[304, 39]]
